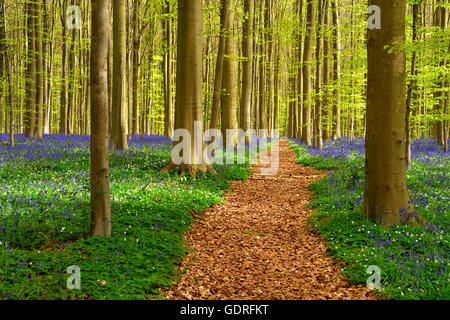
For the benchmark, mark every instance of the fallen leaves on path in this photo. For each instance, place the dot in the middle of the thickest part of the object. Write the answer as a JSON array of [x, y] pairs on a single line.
[[257, 245]]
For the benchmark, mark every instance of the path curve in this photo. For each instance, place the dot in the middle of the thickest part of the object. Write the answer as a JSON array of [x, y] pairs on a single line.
[[256, 245]]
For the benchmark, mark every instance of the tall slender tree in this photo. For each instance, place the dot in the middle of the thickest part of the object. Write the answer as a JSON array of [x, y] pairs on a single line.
[[229, 86], [386, 198], [6, 70], [30, 78], [326, 72], [299, 114], [411, 86], [100, 193], [307, 57], [262, 107], [72, 77], [215, 110], [118, 138], [189, 95], [336, 70], [268, 35], [318, 81], [39, 124], [168, 122], [63, 94], [440, 21], [247, 52]]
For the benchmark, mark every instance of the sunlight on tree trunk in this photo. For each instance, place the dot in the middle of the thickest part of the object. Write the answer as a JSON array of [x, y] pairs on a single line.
[[188, 100], [119, 91], [100, 193], [386, 198], [307, 57]]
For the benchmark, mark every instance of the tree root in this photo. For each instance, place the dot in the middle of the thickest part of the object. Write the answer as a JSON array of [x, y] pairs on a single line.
[[191, 169], [416, 221]]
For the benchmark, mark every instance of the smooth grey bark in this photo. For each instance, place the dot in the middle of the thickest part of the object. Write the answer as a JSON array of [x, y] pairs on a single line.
[[100, 192]]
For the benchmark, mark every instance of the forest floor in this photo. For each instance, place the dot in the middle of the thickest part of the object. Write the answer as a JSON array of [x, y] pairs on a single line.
[[257, 244]]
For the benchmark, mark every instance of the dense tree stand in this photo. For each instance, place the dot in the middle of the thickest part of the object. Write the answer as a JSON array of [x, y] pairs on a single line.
[[257, 245]]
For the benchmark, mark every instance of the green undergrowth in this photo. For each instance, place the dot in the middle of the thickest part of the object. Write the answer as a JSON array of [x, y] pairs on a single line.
[[46, 216], [413, 262]]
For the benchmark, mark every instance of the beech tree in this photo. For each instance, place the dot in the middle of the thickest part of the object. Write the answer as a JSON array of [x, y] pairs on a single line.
[[247, 52], [39, 119], [30, 82], [326, 73], [307, 57], [386, 198], [63, 94], [168, 122], [336, 71], [5, 70], [228, 99], [118, 138], [215, 110], [189, 95], [299, 113], [318, 81], [411, 86], [100, 193], [262, 107]]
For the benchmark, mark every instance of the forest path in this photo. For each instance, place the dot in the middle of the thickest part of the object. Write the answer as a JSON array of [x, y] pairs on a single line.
[[257, 246]]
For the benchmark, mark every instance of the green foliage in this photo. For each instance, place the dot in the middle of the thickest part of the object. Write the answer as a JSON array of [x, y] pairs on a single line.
[[49, 216], [413, 261], [307, 160]]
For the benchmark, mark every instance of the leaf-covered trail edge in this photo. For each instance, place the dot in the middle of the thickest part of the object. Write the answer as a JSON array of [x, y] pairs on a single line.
[[257, 246]]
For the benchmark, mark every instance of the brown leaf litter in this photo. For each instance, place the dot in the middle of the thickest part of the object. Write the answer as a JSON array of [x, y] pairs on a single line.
[[256, 246]]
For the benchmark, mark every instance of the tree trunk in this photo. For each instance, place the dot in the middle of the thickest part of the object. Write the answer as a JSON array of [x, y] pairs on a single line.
[[224, 15], [386, 198], [292, 105], [229, 87], [189, 95], [247, 52], [268, 33], [30, 82], [39, 125], [307, 57], [326, 74], [168, 122], [129, 73], [63, 96], [6, 68], [100, 194], [411, 87], [318, 84], [440, 20], [298, 133], [445, 83], [276, 116], [46, 62], [262, 80], [119, 102], [71, 104], [136, 69], [110, 76], [2, 57], [336, 71]]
